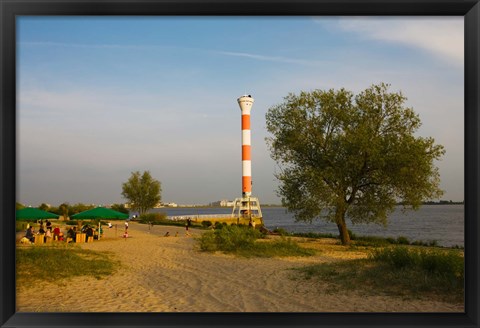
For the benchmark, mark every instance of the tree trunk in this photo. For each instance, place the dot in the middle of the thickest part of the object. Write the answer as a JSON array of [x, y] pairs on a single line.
[[344, 235], [342, 226]]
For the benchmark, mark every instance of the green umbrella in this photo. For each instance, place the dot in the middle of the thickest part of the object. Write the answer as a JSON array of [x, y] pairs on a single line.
[[31, 213], [100, 213]]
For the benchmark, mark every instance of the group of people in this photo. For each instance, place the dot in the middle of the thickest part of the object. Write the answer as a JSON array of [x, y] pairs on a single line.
[[48, 231], [54, 232]]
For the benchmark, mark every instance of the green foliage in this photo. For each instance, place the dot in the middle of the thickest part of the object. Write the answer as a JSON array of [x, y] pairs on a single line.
[[44, 207], [142, 191], [313, 235], [449, 263], [398, 271], [351, 155], [403, 240], [57, 262], [207, 224], [243, 241], [281, 231], [153, 218], [120, 208]]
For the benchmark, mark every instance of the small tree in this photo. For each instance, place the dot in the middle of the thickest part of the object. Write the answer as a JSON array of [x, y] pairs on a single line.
[[342, 155], [44, 207], [142, 191], [64, 210], [120, 208]]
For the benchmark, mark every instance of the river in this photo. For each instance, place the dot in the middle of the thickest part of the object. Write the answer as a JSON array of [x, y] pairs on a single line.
[[442, 223]]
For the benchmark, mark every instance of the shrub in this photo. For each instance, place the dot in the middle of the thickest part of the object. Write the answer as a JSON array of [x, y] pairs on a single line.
[[352, 235], [403, 240], [444, 263], [313, 235], [400, 271], [206, 224], [281, 231], [242, 240], [397, 257]]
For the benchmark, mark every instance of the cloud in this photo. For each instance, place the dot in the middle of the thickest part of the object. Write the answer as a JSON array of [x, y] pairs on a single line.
[[441, 37]]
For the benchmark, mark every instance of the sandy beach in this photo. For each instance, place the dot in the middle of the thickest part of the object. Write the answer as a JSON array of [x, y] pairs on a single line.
[[170, 274]]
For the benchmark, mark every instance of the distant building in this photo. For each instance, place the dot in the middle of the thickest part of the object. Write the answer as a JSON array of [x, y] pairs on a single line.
[[225, 203]]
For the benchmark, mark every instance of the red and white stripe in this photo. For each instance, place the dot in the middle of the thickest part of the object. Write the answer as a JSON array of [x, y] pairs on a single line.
[[246, 103]]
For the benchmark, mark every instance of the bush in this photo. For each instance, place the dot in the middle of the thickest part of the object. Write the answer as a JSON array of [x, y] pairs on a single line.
[[403, 240], [351, 234], [313, 235], [207, 224], [242, 240], [399, 270], [152, 217], [445, 263], [281, 231], [397, 257]]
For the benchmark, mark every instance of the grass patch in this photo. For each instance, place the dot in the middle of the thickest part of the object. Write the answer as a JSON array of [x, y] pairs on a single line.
[[59, 262], [244, 241], [400, 271]]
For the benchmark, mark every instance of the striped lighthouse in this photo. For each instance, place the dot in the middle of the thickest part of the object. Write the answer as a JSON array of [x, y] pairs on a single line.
[[246, 209], [246, 103]]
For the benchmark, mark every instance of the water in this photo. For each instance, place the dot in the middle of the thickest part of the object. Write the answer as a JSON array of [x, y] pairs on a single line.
[[442, 223]]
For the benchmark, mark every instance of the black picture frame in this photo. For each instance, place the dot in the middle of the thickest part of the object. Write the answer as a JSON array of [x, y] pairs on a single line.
[[10, 9]]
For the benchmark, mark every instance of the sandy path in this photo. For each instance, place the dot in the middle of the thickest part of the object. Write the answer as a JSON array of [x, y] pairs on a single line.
[[169, 274]]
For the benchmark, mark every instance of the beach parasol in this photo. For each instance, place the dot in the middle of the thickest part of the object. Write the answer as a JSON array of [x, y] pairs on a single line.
[[99, 213], [31, 213]]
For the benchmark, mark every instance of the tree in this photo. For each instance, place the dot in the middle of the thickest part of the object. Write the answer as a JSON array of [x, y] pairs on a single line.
[[342, 156], [142, 191], [120, 208], [44, 207], [64, 209]]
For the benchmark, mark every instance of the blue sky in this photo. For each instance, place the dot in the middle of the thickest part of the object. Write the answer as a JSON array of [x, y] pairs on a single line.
[[101, 97]]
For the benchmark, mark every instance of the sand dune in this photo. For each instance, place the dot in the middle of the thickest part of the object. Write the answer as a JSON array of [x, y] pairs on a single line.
[[169, 274]]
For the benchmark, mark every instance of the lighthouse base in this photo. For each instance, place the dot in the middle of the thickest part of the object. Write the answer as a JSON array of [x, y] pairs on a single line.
[[247, 208]]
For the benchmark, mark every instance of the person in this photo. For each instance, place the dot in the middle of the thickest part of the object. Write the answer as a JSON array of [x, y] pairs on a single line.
[[41, 231], [49, 225], [126, 226], [110, 225], [187, 225], [71, 233], [167, 234], [29, 234], [89, 232], [56, 233], [48, 234]]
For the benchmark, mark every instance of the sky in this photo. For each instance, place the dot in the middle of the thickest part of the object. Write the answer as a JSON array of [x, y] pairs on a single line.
[[101, 97]]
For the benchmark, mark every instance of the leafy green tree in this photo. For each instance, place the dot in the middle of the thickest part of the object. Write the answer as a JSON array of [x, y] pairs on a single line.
[[120, 208], [64, 209], [79, 207], [342, 156], [44, 207], [142, 191]]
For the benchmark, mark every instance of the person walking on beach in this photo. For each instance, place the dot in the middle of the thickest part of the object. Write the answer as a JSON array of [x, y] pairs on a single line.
[[187, 225]]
